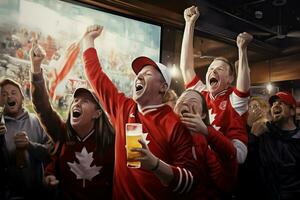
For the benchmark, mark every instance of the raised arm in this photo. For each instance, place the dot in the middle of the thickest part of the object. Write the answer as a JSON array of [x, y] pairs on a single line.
[[187, 50], [51, 121], [109, 96], [243, 76]]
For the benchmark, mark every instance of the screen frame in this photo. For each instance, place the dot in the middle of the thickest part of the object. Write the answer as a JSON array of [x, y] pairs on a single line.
[[88, 4]]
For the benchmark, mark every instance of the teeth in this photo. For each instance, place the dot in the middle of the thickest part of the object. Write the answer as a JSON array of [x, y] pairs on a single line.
[[76, 110], [139, 85]]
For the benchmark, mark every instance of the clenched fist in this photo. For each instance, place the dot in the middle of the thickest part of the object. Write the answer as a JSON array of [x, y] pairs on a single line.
[[37, 55], [2, 128], [51, 181], [243, 39], [191, 14], [92, 32], [21, 140]]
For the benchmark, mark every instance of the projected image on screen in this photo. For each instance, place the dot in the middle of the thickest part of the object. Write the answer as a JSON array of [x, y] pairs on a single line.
[[58, 26]]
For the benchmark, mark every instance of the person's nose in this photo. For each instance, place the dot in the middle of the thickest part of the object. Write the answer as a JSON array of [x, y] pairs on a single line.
[[139, 76], [276, 103]]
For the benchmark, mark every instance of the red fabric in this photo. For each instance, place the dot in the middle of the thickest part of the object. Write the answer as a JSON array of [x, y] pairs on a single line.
[[169, 140], [100, 185], [226, 125], [220, 173], [223, 116], [70, 59]]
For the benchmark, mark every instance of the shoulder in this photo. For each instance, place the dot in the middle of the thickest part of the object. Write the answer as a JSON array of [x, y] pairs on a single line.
[[33, 117]]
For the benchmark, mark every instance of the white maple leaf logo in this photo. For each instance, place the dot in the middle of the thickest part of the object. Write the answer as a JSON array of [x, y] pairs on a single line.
[[83, 169], [212, 117], [144, 137]]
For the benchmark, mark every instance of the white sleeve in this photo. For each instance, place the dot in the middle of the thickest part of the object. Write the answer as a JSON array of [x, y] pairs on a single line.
[[241, 150], [239, 104]]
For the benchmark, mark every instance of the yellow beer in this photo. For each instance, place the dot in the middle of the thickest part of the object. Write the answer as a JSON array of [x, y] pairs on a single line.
[[133, 134]]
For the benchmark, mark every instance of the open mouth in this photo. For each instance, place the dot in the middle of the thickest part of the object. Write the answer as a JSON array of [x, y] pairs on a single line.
[[76, 114], [11, 103], [138, 87], [213, 81], [184, 111], [277, 112]]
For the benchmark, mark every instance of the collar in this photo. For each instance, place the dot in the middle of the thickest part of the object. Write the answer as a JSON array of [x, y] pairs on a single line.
[[86, 137], [23, 115], [223, 92], [150, 108]]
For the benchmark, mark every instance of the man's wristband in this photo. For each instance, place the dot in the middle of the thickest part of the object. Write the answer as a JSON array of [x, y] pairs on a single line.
[[156, 166]]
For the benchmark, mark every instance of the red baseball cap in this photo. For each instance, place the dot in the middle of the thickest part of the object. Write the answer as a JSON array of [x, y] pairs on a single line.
[[139, 63], [284, 96]]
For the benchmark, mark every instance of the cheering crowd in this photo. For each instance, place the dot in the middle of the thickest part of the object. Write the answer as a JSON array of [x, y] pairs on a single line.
[[212, 142]]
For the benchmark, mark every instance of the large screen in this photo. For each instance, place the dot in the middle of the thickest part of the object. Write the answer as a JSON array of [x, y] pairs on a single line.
[[58, 26]]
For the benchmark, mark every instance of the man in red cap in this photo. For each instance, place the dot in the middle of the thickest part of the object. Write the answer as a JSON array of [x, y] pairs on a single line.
[[274, 155], [167, 163]]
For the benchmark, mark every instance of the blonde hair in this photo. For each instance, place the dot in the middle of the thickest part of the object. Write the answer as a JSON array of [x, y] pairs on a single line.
[[170, 96], [261, 101]]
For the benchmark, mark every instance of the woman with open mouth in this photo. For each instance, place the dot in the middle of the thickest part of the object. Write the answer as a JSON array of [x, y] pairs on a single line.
[[84, 154]]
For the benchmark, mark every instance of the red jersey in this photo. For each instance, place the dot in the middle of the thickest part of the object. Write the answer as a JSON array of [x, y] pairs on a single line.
[[220, 174], [227, 114], [227, 111], [83, 172], [168, 140]]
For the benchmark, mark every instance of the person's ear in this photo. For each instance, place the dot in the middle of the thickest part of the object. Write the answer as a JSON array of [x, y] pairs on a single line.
[[163, 88], [97, 114], [293, 111]]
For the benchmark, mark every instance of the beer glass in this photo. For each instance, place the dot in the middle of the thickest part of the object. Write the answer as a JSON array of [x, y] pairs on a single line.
[[134, 132]]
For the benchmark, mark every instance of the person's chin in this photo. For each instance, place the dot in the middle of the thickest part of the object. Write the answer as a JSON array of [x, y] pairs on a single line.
[[138, 96], [12, 111], [75, 122], [277, 118]]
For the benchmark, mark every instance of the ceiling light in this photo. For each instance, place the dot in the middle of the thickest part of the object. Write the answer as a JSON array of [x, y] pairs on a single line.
[[269, 87]]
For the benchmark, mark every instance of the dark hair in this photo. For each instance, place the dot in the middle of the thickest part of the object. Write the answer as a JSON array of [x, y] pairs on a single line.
[[204, 105], [104, 132]]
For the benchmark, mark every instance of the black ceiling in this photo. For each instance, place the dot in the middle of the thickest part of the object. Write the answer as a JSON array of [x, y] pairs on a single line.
[[275, 24]]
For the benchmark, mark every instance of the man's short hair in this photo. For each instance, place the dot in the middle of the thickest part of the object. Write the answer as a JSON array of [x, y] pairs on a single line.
[[231, 66]]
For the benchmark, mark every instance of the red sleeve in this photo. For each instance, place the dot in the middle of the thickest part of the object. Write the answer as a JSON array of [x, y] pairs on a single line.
[[241, 94], [107, 92], [195, 80], [222, 173], [184, 165], [221, 144], [237, 129], [50, 167]]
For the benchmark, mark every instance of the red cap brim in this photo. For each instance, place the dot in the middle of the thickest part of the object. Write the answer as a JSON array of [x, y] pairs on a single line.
[[139, 63]]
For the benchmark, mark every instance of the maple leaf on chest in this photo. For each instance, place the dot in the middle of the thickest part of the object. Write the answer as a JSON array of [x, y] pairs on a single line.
[[83, 169]]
